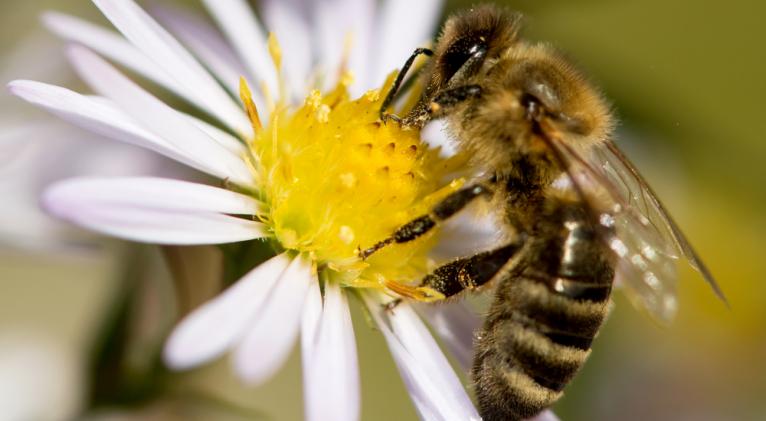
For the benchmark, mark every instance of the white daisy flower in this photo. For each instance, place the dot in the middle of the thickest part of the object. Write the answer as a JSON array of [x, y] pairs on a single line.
[[315, 178]]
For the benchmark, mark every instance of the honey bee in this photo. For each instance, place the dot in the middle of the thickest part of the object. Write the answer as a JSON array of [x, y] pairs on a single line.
[[576, 213]]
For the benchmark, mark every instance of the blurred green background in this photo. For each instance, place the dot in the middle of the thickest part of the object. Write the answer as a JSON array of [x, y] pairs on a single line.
[[687, 81]]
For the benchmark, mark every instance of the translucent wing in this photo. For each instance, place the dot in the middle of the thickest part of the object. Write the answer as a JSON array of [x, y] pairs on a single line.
[[648, 205], [636, 225]]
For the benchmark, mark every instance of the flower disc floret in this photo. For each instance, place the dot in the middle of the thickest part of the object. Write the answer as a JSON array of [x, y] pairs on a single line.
[[336, 179]]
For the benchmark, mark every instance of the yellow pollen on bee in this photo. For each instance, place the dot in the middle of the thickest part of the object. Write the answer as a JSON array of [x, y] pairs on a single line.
[[335, 180]]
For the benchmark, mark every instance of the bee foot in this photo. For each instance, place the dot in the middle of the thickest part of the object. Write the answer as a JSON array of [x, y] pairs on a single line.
[[384, 117], [422, 294]]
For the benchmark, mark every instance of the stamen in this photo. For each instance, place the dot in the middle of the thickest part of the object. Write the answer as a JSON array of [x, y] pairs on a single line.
[[252, 111], [268, 97], [348, 45], [275, 51]]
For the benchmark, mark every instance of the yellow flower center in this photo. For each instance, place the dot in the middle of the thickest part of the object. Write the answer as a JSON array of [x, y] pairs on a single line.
[[335, 180]]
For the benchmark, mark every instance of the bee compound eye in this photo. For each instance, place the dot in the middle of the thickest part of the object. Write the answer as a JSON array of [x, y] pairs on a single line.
[[460, 53]]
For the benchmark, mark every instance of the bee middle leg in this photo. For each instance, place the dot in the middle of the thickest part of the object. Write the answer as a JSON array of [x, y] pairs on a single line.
[[449, 206]]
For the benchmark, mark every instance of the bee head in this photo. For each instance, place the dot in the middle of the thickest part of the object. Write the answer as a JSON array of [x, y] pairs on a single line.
[[471, 39]]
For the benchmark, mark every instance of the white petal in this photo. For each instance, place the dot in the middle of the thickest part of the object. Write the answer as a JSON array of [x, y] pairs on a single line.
[[274, 329], [467, 233], [404, 26], [238, 23], [156, 116], [335, 21], [288, 20], [166, 228], [168, 54], [360, 59], [100, 116], [546, 415], [310, 321], [142, 215], [436, 135], [205, 42], [428, 390], [411, 331], [330, 366], [113, 46], [213, 328], [225, 139], [455, 324], [158, 194]]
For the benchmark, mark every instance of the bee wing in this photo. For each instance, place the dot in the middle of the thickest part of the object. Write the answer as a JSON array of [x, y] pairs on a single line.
[[648, 205], [636, 225]]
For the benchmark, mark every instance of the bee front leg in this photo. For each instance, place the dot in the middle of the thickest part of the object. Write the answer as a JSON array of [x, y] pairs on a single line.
[[442, 104], [384, 116], [445, 101], [449, 206]]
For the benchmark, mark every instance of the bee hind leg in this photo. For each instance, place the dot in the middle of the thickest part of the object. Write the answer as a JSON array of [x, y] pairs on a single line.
[[461, 274], [472, 272]]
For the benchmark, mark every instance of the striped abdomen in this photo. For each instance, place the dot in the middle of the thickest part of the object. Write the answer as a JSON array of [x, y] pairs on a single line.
[[543, 319]]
